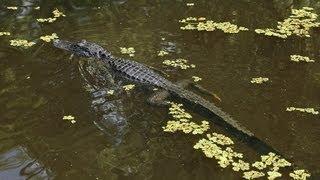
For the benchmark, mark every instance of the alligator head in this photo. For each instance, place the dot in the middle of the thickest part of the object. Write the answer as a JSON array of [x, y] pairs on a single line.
[[83, 48]]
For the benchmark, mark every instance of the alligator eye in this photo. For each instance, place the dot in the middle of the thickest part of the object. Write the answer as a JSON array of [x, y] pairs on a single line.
[[102, 54]]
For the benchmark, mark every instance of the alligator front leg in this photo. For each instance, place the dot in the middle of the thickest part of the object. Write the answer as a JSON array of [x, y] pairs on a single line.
[[160, 96]]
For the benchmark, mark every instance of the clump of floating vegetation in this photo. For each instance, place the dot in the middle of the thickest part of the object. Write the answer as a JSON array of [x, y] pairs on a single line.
[[12, 7], [5, 33], [21, 43], [213, 148], [253, 174], [162, 53], [272, 163], [307, 110], [190, 4], [259, 80], [219, 147], [48, 38], [69, 118], [298, 58], [129, 51], [299, 23], [182, 121], [196, 78], [193, 23], [110, 92], [56, 14], [186, 126], [300, 174], [128, 87], [179, 63]]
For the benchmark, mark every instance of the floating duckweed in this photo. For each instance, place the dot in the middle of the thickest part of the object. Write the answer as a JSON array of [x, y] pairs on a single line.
[[190, 4], [128, 87], [299, 23], [69, 118], [183, 122], [273, 175], [307, 110], [240, 165], [298, 58], [186, 126], [193, 24], [300, 174], [196, 78], [5, 33], [259, 165], [49, 20], [129, 51], [271, 160], [21, 42], [259, 80], [110, 92], [49, 38], [253, 174], [178, 112], [12, 7], [180, 63], [56, 14], [220, 139], [162, 53], [211, 150]]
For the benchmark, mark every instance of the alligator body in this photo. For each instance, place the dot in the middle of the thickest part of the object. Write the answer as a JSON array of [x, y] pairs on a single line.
[[142, 74], [110, 114]]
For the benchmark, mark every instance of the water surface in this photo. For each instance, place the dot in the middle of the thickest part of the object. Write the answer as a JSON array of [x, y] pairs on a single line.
[[39, 85]]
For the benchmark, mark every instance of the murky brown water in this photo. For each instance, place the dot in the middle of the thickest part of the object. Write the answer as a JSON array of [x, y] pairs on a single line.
[[39, 85]]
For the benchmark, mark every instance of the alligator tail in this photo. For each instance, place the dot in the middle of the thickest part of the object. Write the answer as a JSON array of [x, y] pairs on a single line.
[[208, 106]]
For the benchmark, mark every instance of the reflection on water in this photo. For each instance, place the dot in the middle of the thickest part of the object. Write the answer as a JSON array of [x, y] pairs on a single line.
[[39, 85], [17, 164]]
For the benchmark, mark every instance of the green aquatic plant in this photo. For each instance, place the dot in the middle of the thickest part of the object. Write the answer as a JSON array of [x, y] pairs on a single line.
[[162, 53], [193, 23], [179, 63], [182, 121], [21, 42], [190, 4], [129, 50], [300, 22], [298, 58], [300, 174], [69, 118], [56, 14], [12, 7], [186, 126], [252, 174], [259, 80], [307, 110], [128, 87], [110, 92], [224, 155], [49, 38], [271, 160], [273, 175], [196, 78], [5, 33]]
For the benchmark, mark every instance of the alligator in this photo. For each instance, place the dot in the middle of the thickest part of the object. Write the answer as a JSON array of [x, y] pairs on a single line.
[[148, 77], [111, 116]]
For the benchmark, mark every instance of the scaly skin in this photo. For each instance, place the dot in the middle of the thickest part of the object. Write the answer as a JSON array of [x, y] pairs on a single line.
[[142, 74]]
